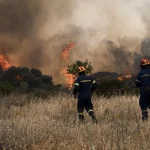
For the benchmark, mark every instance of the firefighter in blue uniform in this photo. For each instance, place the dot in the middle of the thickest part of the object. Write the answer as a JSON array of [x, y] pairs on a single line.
[[143, 82], [84, 85]]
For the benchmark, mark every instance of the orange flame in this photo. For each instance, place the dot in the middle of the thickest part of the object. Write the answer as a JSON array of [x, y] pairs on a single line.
[[4, 64], [65, 56], [127, 76], [19, 78], [69, 78], [65, 53], [120, 78]]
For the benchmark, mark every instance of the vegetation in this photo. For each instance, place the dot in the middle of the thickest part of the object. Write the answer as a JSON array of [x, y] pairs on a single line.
[[111, 87], [33, 124], [73, 68], [6, 87], [24, 80]]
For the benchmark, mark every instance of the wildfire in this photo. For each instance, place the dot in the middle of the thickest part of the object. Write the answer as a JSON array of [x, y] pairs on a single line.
[[127, 76], [65, 53], [65, 56], [120, 78], [4, 64], [69, 77], [19, 78]]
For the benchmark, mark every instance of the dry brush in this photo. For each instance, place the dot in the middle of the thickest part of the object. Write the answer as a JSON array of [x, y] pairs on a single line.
[[52, 124]]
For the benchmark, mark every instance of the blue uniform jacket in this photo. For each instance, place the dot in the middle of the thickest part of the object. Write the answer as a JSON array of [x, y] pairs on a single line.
[[143, 78], [84, 85]]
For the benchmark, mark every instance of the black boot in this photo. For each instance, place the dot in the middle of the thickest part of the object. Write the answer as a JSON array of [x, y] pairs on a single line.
[[144, 115], [81, 118], [93, 117]]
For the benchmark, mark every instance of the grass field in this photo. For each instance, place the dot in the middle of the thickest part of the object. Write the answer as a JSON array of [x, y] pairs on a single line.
[[52, 124]]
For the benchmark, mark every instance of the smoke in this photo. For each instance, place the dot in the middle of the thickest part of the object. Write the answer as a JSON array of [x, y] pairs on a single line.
[[29, 31], [123, 22], [33, 33]]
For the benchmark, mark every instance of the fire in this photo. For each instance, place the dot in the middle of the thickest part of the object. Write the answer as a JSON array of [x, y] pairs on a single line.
[[4, 64], [120, 78], [19, 78], [65, 53], [127, 76], [69, 77], [65, 56]]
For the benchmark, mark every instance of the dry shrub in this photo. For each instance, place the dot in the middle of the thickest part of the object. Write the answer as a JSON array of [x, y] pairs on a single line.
[[52, 124]]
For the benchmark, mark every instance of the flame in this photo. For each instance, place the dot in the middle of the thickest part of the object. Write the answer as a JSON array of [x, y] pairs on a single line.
[[69, 77], [19, 78], [65, 56], [120, 78], [127, 76], [4, 64], [65, 53]]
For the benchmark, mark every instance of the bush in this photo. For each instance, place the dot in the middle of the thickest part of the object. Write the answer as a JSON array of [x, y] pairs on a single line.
[[36, 72], [6, 88], [19, 76], [111, 84], [46, 79], [24, 87], [113, 87]]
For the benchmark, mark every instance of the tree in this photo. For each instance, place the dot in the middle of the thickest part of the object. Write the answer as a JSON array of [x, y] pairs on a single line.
[[36, 72], [22, 76], [73, 68], [46, 79], [6, 87]]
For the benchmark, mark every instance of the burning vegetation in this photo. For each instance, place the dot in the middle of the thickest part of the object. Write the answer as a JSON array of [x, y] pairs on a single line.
[[65, 56], [23, 79], [35, 79], [27, 31], [125, 76], [4, 64], [65, 53]]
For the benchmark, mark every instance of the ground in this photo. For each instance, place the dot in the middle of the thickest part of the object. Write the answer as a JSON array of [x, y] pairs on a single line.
[[52, 124]]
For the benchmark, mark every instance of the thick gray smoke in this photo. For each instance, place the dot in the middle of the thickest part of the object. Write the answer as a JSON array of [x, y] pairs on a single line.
[[33, 33]]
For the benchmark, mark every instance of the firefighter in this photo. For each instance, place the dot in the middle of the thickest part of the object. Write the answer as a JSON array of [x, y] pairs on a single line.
[[84, 86], [143, 82]]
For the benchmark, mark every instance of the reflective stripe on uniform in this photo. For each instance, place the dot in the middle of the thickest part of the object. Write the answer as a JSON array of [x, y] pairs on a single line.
[[93, 82], [80, 113], [85, 81], [77, 84], [137, 80], [90, 110], [145, 110], [145, 75]]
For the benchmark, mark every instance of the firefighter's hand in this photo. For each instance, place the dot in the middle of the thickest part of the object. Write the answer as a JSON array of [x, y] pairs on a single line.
[[75, 96]]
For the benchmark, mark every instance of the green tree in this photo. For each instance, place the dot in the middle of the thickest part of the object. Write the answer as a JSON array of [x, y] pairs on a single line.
[[73, 67], [6, 87]]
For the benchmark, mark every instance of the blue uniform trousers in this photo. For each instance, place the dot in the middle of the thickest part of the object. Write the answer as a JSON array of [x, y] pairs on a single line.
[[144, 102]]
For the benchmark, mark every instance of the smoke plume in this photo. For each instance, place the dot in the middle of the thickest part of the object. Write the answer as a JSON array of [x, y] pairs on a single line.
[[33, 33]]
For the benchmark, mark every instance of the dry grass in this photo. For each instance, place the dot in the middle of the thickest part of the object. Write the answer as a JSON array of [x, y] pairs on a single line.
[[53, 125]]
